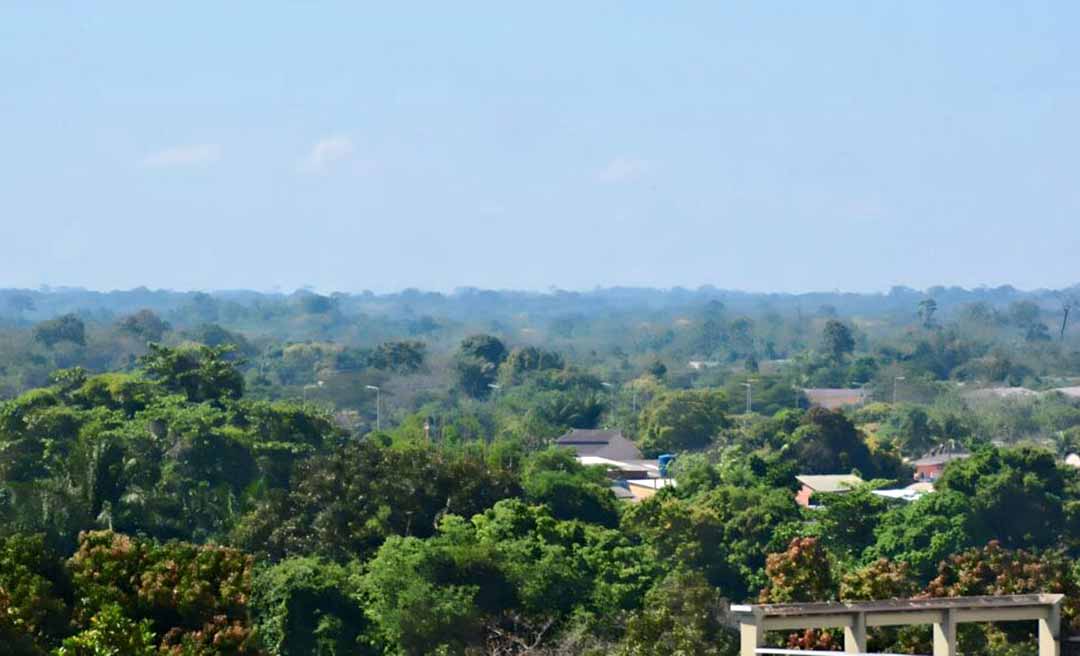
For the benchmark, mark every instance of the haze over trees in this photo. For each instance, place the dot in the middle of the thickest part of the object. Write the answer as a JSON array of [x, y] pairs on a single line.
[[202, 473]]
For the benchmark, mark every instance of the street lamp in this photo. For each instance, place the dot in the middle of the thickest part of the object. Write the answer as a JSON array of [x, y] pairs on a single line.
[[895, 380], [749, 385], [378, 406]]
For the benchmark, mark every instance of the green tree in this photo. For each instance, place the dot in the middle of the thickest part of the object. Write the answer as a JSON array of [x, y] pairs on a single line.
[[111, 634], [344, 504], [33, 587], [1017, 496], [432, 596], [682, 420], [405, 357], [881, 579], [837, 340], [571, 490], [476, 364], [682, 616], [201, 373], [801, 573], [308, 606], [145, 324], [927, 309], [924, 532], [66, 328], [847, 521]]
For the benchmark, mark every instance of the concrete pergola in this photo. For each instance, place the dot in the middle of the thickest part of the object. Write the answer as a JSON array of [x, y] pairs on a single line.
[[943, 613]]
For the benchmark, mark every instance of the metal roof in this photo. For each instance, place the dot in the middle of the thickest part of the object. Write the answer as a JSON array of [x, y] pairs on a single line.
[[830, 482]]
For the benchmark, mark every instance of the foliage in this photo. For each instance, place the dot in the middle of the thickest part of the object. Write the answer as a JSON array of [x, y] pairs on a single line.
[[66, 328], [1016, 496], [310, 606], [681, 421], [801, 573], [111, 634], [201, 373], [345, 504], [682, 616]]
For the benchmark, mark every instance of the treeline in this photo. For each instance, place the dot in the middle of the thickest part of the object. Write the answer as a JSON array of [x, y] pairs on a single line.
[[163, 511]]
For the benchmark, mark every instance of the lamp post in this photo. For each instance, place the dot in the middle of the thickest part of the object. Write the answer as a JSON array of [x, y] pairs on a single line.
[[895, 381], [749, 385], [378, 406]]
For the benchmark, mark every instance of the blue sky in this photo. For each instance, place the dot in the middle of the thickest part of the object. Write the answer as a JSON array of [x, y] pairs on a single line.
[[766, 146]]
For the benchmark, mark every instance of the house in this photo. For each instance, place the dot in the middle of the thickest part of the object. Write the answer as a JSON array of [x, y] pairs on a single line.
[[647, 487], [608, 444], [835, 398], [824, 484], [929, 467]]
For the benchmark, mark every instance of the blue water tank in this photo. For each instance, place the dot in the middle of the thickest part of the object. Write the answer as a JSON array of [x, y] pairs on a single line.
[[664, 460]]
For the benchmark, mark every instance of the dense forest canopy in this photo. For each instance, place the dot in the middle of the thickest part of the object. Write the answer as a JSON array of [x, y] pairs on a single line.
[[247, 473]]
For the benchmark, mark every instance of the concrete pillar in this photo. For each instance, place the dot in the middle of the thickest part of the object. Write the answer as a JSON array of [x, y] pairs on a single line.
[[751, 636], [1050, 632], [855, 635], [945, 634]]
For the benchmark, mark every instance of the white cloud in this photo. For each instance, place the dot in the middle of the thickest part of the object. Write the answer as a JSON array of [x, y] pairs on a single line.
[[622, 169], [327, 152], [193, 155]]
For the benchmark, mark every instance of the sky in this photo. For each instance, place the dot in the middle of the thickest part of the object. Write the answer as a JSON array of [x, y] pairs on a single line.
[[762, 146]]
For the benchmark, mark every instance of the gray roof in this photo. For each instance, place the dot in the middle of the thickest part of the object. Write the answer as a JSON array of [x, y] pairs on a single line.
[[600, 443], [833, 398], [941, 455]]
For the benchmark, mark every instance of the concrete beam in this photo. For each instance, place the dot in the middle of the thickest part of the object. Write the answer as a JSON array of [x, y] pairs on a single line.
[[1050, 632], [835, 621], [751, 636], [855, 635], [945, 634]]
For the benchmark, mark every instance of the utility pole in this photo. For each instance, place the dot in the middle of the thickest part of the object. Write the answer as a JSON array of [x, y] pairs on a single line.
[[378, 406], [895, 381], [614, 423]]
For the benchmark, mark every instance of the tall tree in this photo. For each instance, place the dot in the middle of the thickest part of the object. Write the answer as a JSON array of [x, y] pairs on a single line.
[[927, 309], [837, 340]]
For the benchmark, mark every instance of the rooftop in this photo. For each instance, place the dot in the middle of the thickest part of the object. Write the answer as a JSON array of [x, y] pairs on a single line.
[[941, 455], [608, 444], [830, 482], [833, 398]]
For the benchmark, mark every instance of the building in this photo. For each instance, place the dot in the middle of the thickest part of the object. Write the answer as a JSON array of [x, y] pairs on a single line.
[[610, 444], [929, 467], [633, 478], [824, 484], [835, 398]]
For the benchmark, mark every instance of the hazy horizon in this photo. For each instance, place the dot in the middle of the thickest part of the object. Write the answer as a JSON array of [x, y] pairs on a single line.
[[765, 148]]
